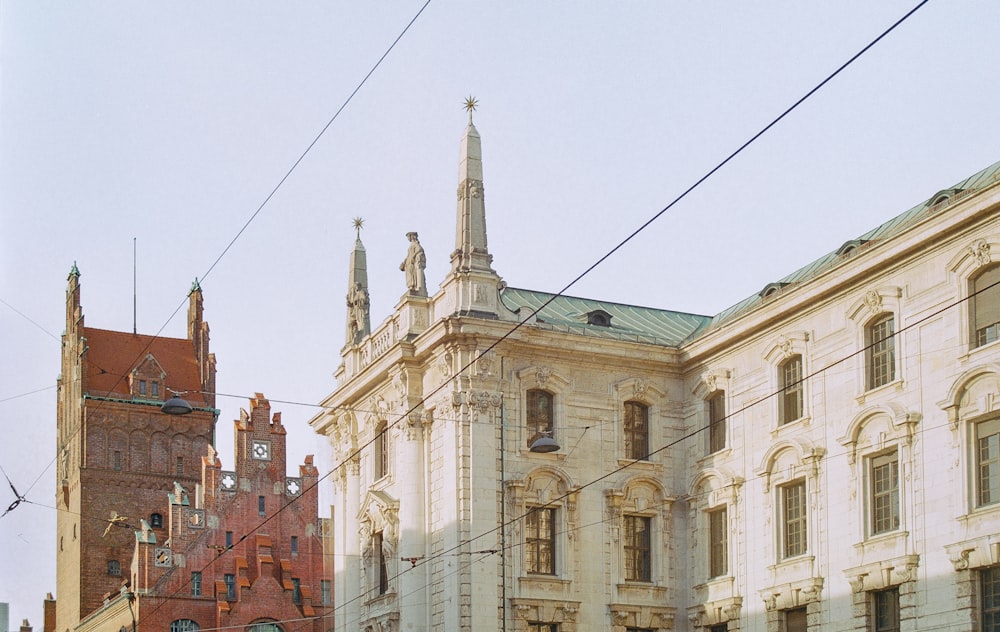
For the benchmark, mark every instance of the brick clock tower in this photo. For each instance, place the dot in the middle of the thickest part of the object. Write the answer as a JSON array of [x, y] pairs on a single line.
[[118, 454]]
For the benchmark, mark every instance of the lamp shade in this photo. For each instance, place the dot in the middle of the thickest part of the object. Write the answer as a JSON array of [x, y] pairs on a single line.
[[176, 406], [544, 443]]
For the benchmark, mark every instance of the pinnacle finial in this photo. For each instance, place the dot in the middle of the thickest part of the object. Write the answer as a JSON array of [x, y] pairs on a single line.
[[471, 104], [74, 271], [195, 286], [359, 223]]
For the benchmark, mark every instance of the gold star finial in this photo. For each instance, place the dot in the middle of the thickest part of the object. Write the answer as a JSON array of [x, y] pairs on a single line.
[[358, 225], [471, 104]]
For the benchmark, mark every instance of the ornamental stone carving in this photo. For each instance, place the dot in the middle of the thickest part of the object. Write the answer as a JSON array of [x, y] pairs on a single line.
[[980, 251], [873, 300], [484, 363], [542, 375]]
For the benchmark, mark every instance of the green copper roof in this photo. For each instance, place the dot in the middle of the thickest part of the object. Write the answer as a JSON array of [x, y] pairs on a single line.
[[889, 229], [670, 328], [627, 322]]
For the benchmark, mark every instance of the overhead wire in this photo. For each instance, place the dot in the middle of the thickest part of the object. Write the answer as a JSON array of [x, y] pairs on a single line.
[[356, 452]]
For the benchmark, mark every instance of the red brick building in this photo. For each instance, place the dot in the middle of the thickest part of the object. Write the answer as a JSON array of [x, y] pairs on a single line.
[[155, 533]]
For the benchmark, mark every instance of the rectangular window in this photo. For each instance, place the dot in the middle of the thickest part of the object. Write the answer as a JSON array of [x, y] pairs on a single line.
[[296, 590], [718, 543], [793, 519], [717, 422], [880, 344], [543, 627], [884, 493], [196, 584], [295, 545], [114, 568], [142, 387], [636, 543], [230, 580], [721, 627], [326, 592], [180, 466], [260, 506], [229, 539], [638, 629], [539, 415], [790, 402], [118, 460], [885, 610], [156, 389], [383, 569], [636, 430], [984, 306], [989, 590], [795, 620], [540, 541], [987, 462], [381, 450]]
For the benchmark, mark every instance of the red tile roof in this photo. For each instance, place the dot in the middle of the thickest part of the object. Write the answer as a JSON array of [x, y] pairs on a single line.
[[112, 356]]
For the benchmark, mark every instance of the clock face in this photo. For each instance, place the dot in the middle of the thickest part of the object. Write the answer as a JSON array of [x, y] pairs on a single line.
[[261, 450]]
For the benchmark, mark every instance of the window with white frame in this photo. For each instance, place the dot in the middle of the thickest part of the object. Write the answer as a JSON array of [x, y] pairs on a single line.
[[637, 548], [718, 542], [987, 462], [380, 451], [636, 430], [883, 492], [989, 599], [793, 519], [540, 541], [984, 306], [716, 421], [885, 610], [791, 391], [880, 351], [539, 414]]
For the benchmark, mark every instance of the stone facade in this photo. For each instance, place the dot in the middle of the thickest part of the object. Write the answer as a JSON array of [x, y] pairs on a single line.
[[820, 456]]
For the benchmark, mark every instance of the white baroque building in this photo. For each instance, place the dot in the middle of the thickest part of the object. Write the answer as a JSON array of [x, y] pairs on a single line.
[[824, 455]]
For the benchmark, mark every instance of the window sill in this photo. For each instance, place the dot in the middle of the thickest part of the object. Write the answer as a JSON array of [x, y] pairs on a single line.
[[979, 514], [976, 350], [543, 582], [800, 565], [882, 543], [801, 422], [714, 456], [630, 591], [638, 465], [894, 386]]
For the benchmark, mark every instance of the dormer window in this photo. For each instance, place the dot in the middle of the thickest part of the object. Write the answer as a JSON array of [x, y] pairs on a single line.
[[850, 247], [142, 387], [599, 317], [771, 289]]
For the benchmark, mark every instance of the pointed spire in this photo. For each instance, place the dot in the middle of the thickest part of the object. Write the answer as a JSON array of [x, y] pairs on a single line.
[[358, 317], [74, 271], [471, 252]]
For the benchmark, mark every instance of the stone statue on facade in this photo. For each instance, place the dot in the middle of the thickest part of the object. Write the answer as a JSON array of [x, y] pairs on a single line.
[[357, 304], [414, 265]]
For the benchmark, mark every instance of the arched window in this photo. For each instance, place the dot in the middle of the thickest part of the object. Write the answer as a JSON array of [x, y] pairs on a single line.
[[539, 414], [636, 430], [265, 626], [984, 307], [184, 625], [156, 521]]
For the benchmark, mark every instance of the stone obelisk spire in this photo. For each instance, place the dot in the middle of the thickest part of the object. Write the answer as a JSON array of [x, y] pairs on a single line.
[[471, 253], [358, 317]]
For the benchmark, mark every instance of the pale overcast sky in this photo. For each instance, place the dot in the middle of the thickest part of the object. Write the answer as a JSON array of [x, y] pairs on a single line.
[[171, 122]]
